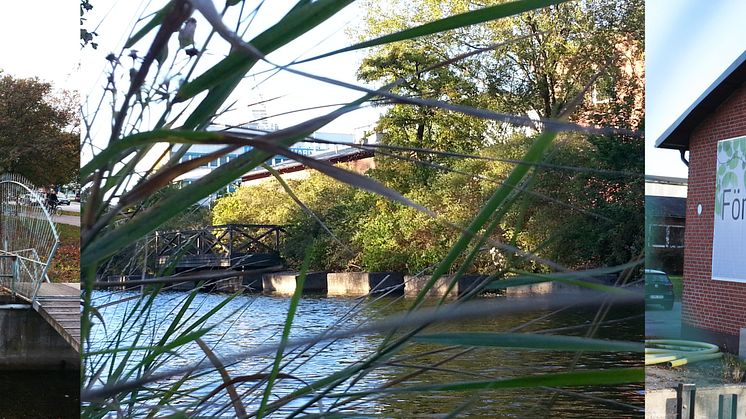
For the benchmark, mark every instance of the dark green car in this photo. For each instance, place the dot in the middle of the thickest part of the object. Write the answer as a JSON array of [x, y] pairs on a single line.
[[658, 289]]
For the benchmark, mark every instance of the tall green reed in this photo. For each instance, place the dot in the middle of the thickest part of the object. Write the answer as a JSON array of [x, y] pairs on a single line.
[[135, 373]]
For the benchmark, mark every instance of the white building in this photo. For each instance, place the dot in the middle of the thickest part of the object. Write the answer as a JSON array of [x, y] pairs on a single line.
[[305, 148]]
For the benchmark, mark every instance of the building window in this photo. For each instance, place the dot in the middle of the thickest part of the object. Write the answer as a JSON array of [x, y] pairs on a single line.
[[669, 236]]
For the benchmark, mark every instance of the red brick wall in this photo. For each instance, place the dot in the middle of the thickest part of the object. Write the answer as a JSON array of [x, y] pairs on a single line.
[[717, 306]]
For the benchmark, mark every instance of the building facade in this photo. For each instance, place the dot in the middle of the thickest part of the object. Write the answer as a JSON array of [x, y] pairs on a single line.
[[305, 148], [713, 131]]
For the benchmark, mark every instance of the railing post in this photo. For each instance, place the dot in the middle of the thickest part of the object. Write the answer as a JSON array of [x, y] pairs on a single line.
[[685, 402], [733, 406], [230, 241], [14, 276]]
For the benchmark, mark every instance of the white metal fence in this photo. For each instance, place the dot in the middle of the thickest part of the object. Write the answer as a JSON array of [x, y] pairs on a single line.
[[28, 237]]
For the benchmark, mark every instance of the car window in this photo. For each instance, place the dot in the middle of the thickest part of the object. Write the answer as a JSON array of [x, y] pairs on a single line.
[[656, 279]]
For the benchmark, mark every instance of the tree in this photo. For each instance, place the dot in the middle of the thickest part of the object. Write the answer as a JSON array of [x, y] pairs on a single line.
[[421, 127], [579, 218], [86, 36], [39, 133]]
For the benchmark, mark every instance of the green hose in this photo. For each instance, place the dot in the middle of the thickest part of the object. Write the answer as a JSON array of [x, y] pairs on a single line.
[[675, 353]]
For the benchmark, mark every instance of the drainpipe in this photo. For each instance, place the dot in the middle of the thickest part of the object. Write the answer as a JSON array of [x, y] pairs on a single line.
[[683, 158]]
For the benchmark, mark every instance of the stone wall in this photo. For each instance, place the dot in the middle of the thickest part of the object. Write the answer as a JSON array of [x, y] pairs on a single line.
[[27, 341]]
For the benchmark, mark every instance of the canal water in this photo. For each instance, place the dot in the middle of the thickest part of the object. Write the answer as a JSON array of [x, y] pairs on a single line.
[[39, 394], [252, 320]]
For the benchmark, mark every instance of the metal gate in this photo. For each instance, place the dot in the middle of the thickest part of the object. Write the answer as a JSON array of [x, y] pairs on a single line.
[[28, 237]]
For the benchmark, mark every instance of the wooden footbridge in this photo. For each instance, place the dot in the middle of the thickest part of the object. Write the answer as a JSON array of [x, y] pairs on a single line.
[[28, 242], [229, 246]]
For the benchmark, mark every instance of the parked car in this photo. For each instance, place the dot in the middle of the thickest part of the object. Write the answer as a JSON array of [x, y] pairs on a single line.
[[658, 289], [63, 199], [31, 198]]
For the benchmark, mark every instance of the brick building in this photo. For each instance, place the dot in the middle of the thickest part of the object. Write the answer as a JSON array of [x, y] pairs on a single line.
[[713, 131]]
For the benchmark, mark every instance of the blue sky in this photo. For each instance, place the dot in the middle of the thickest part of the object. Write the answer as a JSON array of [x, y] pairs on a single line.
[[689, 43]]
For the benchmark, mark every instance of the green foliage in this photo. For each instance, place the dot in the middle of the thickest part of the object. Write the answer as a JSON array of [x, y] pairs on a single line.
[[340, 206], [86, 36], [38, 131], [393, 237]]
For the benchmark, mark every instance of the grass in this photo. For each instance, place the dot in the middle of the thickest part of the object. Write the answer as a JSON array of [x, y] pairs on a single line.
[[66, 263]]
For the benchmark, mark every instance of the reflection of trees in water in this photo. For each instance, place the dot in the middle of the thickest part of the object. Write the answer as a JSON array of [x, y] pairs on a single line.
[[252, 320], [461, 364]]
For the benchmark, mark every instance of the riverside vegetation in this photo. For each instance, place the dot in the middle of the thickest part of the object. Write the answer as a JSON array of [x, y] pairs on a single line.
[[461, 169]]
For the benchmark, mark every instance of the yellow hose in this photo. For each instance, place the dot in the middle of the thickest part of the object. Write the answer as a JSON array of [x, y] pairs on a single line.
[[675, 353]]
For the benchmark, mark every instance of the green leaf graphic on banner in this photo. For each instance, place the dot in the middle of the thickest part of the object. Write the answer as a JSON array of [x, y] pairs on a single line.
[[730, 180]]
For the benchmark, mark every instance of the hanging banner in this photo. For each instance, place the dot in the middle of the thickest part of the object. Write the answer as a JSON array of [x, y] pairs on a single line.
[[729, 230]]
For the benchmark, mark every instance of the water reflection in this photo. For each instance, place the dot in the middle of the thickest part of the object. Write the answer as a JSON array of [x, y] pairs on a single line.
[[39, 394], [252, 320]]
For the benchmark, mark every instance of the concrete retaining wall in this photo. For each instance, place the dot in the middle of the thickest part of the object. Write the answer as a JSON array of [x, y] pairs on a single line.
[[253, 283], [414, 284], [231, 285], [29, 342], [284, 283], [661, 404], [545, 288], [364, 283]]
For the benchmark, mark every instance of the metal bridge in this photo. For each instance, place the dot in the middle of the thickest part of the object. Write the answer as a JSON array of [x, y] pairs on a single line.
[[28, 242]]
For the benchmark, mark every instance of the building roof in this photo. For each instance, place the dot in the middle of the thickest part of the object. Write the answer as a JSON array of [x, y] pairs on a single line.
[[342, 156], [665, 206], [677, 135]]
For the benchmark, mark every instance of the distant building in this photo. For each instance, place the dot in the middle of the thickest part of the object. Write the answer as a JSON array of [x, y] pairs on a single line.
[[713, 131], [305, 148], [665, 217], [356, 160]]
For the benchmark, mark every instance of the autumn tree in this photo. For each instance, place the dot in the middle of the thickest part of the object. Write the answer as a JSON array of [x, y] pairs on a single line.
[[39, 133]]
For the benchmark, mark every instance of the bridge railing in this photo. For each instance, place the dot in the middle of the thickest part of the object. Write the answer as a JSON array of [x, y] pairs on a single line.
[[224, 240], [28, 237]]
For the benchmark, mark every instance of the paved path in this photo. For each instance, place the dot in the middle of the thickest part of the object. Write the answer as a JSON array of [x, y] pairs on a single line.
[[73, 220], [664, 324], [73, 207], [61, 219]]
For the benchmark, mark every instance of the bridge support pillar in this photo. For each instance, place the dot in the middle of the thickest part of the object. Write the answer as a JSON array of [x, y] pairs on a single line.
[[284, 283], [414, 284], [27, 341], [355, 284]]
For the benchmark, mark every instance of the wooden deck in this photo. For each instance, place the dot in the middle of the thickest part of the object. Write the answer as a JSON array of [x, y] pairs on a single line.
[[59, 305]]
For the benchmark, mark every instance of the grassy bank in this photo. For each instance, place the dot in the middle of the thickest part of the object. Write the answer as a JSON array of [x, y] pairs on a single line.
[[66, 263]]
